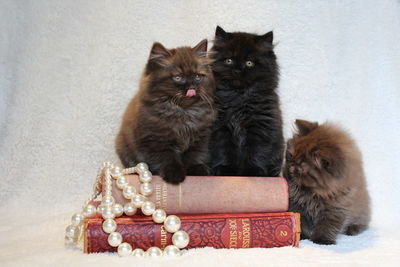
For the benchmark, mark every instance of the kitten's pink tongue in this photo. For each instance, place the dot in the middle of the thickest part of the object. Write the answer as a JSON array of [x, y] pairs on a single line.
[[190, 93]]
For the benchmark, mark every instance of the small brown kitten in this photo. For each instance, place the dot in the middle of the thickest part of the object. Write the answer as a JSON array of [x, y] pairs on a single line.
[[167, 124], [326, 182]]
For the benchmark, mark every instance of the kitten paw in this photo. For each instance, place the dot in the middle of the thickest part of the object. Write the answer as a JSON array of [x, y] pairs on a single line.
[[323, 241], [173, 174], [355, 229], [200, 170]]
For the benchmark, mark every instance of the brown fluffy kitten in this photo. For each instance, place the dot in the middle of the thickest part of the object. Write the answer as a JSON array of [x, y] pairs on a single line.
[[326, 182], [167, 124]]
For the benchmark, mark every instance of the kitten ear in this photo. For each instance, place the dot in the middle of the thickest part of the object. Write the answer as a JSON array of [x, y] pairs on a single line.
[[201, 48], [305, 127], [266, 38], [158, 51], [220, 34]]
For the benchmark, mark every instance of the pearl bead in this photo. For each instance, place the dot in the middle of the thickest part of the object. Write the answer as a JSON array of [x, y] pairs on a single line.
[[100, 209], [159, 216], [77, 219], [108, 201], [138, 200], [129, 209], [172, 223], [72, 231], [153, 252], [114, 239], [146, 189], [171, 251], [116, 172], [148, 208], [129, 192], [138, 252], [118, 210], [122, 181], [69, 241], [108, 188], [109, 226], [145, 176], [89, 210], [108, 182], [107, 164], [124, 249], [141, 167], [180, 239], [108, 213]]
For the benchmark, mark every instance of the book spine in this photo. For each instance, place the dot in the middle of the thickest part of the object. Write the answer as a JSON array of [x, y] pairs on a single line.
[[210, 230], [216, 194]]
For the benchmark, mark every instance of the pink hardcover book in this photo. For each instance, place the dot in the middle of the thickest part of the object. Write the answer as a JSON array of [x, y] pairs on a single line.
[[215, 194]]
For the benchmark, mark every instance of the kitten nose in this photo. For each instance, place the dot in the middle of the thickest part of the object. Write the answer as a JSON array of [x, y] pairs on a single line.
[[291, 169], [295, 170], [236, 71]]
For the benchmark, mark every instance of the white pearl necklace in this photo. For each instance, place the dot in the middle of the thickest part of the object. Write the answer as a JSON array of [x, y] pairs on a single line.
[[138, 199]]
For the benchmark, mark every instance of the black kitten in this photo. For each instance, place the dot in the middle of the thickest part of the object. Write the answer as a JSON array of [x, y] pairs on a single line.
[[247, 137]]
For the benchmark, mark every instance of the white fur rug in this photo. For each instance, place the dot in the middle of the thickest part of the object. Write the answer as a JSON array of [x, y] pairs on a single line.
[[69, 68]]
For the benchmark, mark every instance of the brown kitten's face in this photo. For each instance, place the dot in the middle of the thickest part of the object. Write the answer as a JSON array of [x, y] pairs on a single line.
[[313, 158], [180, 75]]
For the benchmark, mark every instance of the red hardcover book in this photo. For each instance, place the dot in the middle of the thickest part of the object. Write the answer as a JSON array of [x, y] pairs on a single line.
[[240, 230], [215, 194]]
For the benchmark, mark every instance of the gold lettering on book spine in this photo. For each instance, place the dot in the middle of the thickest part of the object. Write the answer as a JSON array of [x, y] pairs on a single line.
[[164, 196], [246, 233], [158, 195], [233, 234], [161, 193], [163, 237]]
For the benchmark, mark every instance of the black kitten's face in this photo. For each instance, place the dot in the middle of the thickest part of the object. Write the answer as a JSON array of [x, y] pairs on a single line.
[[242, 58]]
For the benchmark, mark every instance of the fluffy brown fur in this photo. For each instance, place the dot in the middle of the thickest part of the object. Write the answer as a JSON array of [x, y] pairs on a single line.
[[326, 182], [167, 124]]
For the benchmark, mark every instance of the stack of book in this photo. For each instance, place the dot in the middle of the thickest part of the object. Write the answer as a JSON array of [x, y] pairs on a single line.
[[219, 212]]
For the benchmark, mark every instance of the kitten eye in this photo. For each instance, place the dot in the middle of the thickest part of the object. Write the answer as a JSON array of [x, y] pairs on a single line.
[[289, 156], [198, 77], [228, 61], [177, 78], [325, 164], [249, 64]]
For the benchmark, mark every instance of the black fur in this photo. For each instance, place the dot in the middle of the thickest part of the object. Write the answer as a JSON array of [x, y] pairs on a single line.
[[247, 137]]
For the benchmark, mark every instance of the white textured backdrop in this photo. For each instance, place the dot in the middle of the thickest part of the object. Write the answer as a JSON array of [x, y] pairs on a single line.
[[69, 68]]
